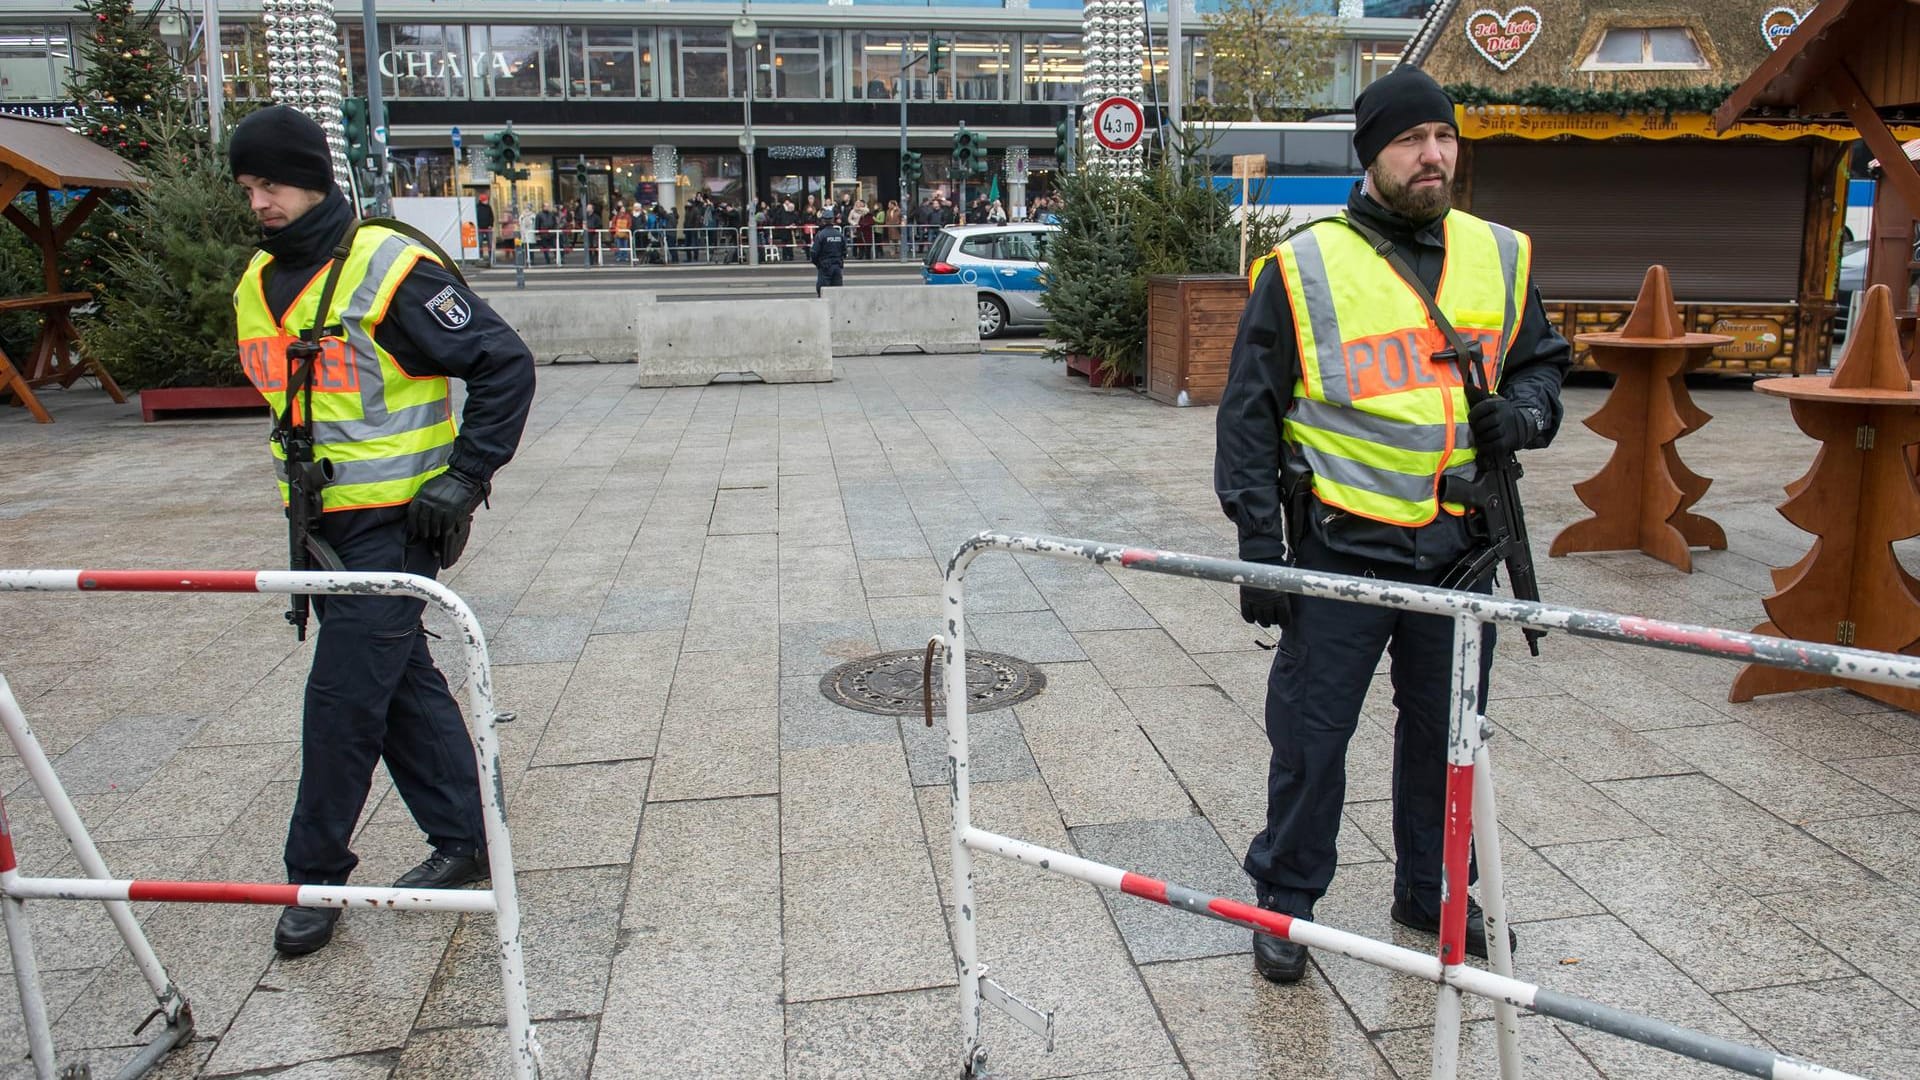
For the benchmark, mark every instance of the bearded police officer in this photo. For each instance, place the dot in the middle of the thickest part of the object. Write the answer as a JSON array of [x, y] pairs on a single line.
[[404, 482], [1344, 409]]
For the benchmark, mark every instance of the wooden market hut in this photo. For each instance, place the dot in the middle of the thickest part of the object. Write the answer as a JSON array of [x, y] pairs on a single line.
[[1589, 126], [39, 158], [1856, 62]]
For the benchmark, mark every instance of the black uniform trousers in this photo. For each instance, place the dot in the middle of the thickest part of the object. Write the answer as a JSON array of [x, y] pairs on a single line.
[[374, 693], [1326, 658], [827, 274]]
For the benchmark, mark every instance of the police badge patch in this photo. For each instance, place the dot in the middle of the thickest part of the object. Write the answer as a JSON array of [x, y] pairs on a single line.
[[449, 310]]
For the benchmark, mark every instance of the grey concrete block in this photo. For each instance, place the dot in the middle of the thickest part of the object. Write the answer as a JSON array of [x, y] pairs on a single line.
[[1183, 851]]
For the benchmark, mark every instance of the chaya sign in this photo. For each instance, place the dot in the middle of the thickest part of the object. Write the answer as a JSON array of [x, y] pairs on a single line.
[[1778, 25], [430, 64], [1503, 39]]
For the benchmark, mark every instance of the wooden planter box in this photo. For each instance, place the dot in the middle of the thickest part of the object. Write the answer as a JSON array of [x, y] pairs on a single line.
[[186, 398], [1191, 323], [1089, 366]]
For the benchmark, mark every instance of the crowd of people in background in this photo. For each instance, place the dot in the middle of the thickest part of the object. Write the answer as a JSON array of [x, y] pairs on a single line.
[[706, 229]]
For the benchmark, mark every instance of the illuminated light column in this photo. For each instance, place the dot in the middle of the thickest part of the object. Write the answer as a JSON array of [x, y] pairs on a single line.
[[303, 69], [1111, 35]]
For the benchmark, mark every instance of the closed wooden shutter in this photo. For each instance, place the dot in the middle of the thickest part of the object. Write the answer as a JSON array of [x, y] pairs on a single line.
[[1725, 219]]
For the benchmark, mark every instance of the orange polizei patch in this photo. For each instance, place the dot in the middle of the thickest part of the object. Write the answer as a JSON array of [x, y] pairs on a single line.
[[1403, 360], [265, 361]]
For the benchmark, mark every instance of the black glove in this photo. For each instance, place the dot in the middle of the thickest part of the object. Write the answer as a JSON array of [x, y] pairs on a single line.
[[444, 505], [1499, 426], [1265, 607]]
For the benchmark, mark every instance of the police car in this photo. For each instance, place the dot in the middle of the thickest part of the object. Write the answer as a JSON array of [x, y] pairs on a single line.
[[1001, 262]]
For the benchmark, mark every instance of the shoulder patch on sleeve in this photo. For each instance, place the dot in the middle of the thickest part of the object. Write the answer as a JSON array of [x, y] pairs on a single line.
[[449, 309]]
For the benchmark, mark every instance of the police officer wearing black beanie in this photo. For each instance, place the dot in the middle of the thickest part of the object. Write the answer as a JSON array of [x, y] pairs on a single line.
[[1332, 458], [405, 486]]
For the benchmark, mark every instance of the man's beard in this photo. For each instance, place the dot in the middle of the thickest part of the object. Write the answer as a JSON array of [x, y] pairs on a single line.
[[1414, 204]]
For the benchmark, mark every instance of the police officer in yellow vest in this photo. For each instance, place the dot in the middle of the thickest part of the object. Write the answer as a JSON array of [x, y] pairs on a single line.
[[405, 480], [1336, 427]]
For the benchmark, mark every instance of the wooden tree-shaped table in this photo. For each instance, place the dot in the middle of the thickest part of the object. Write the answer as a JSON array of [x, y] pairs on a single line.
[[1858, 499], [1640, 499]]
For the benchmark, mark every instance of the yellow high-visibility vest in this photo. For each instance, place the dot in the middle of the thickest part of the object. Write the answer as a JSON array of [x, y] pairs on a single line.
[[1378, 419], [385, 431]]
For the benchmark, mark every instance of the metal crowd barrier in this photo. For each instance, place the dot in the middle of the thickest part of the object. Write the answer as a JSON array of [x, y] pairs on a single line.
[[639, 246], [1469, 809], [501, 900]]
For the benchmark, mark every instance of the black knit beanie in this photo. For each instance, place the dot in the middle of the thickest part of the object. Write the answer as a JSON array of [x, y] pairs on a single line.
[[1403, 98], [282, 144]]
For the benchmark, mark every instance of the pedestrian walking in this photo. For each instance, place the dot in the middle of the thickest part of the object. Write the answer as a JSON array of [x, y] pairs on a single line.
[[401, 492], [1342, 430], [828, 253], [483, 226]]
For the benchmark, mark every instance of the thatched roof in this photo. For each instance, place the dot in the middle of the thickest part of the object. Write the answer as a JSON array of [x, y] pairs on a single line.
[[1728, 31], [1872, 41]]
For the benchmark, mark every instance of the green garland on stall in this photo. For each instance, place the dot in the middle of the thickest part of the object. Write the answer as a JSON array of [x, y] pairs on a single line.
[[1566, 99]]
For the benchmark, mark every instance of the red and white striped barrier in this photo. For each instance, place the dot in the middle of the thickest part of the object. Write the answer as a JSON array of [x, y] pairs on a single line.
[[501, 900], [1470, 813]]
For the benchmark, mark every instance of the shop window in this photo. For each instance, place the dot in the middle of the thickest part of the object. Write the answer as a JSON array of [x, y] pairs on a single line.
[[982, 66], [34, 63], [517, 61], [243, 61], [704, 63], [609, 62], [1051, 67], [874, 57], [1650, 48], [424, 60], [1199, 70], [795, 65], [1374, 59]]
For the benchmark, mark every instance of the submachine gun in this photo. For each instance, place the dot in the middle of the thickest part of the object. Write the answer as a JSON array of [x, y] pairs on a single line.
[[307, 476], [1495, 487]]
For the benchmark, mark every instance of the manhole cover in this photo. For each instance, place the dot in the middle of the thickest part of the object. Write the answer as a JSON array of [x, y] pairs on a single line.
[[889, 683]]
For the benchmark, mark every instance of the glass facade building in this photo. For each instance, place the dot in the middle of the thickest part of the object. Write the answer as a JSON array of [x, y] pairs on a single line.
[[616, 84]]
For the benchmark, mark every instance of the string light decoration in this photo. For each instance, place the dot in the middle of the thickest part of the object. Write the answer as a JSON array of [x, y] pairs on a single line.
[[843, 165], [666, 164], [1111, 33], [304, 66]]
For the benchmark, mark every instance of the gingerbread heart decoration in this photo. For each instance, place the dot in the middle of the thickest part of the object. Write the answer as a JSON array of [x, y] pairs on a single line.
[[1503, 39], [1778, 25]]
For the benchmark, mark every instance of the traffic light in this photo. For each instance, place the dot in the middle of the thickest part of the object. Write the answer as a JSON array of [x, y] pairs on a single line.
[[509, 147], [580, 173], [936, 61], [497, 153], [911, 169], [963, 152], [353, 121], [1063, 141], [977, 155]]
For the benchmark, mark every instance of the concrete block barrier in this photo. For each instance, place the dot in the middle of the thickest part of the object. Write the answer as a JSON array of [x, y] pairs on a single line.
[[560, 324], [693, 343], [870, 320]]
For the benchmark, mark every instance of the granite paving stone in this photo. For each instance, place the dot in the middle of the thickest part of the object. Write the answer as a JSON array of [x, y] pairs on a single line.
[[1128, 658], [1743, 844], [815, 648], [1780, 780], [123, 753], [1897, 777], [1852, 1024], [1183, 851], [1544, 1049], [1876, 928], [1888, 845], [713, 966], [1722, 937], [807, 718], [862, 920], [735, 679], [1099, 764], [722, 627], [717, 755], [1228, 1022], [913, 1033], [844, 796], [540, 639], [474, 1053], [612, 706], [902, 577], [1535, 888], [1034, 636], [996, 748], [578, 815], [1584, 741]]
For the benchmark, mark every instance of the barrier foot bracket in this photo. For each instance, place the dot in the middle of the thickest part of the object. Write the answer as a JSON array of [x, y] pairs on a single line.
[[1029, 1017], [176, 1033]]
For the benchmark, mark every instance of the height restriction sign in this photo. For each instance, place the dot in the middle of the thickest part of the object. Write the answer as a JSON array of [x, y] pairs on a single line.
[[1118, 122]]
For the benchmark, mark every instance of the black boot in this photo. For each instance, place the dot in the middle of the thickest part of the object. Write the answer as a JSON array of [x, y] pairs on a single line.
[[1277, 959], [1413, 917], [302, 930], [444, 871]]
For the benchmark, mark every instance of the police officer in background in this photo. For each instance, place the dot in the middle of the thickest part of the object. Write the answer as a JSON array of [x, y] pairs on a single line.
[[404, 487], [1343, 409], [828, 254]]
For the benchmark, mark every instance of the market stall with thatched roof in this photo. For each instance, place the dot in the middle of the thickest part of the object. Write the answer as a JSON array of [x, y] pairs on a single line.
[[1590, 127]]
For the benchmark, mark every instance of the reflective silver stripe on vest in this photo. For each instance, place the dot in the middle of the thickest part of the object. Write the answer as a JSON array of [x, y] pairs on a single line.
[[1407, 487], [1322, 319], [379, 470], [375, 421], [1509, 246], [1418, 438]]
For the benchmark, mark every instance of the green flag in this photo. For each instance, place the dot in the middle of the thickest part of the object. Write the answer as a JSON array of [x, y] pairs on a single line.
[[993, 189]]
